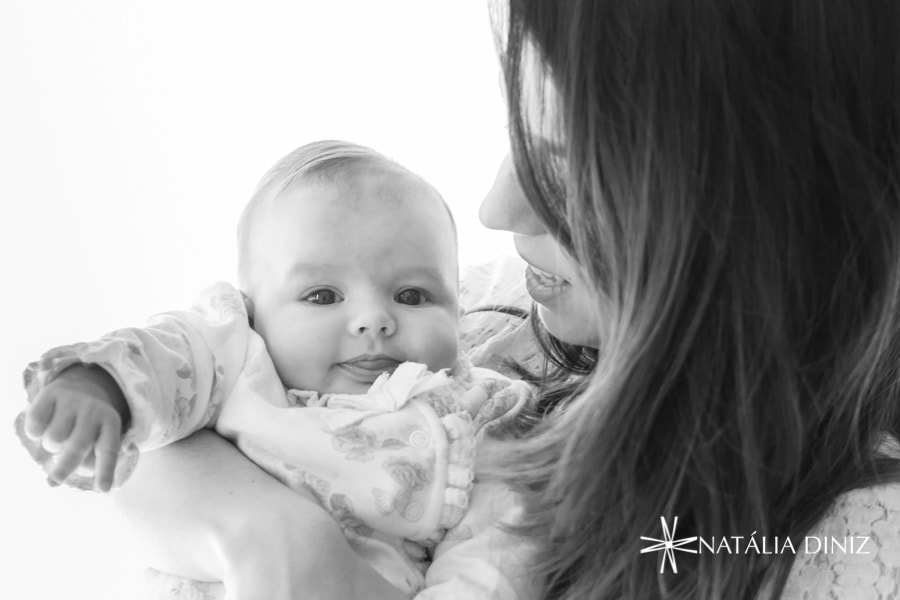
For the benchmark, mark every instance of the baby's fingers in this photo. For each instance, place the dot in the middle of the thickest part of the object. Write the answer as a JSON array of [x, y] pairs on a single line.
[[38, 415], [73, 451], [59, 428], [106, 451]]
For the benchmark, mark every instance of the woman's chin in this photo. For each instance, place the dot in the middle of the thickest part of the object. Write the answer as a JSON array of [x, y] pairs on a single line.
[[569, 326]]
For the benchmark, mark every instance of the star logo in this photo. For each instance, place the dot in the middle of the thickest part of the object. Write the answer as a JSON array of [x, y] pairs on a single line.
[[668, 545]]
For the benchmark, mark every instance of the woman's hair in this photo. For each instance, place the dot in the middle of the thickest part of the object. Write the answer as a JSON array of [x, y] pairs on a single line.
[[325, 161], [726, 173]]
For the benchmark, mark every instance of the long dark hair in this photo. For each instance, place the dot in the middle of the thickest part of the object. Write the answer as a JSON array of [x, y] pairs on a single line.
[[726, 171]]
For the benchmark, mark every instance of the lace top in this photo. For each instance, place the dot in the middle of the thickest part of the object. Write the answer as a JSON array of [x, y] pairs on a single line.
[[854, 552]]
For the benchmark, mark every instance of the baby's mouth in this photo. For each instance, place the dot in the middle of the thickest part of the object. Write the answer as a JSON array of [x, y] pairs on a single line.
[[367, 368], [379, 363]]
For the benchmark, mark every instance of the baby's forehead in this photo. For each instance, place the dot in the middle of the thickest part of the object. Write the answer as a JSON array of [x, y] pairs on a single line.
[[385, 189], [351, 203]]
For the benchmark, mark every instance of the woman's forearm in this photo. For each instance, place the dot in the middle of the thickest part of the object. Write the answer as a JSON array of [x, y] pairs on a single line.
[[202, 510], [183, 499]]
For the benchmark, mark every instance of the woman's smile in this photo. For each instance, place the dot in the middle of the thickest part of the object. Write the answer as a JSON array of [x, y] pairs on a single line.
[[547, 277], [542, 286], [567, 305]]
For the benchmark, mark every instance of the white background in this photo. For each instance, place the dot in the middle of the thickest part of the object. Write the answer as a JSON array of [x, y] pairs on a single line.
[[132, 133]]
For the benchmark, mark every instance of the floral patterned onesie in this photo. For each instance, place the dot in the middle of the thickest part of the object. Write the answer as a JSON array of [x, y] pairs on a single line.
[[393, 465]]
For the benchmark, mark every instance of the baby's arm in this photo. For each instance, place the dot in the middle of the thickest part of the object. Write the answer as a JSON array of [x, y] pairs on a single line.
[[172, 376]]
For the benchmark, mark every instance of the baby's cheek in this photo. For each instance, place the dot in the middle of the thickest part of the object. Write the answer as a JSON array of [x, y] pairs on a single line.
[[296, 363], [283, 361], [442, 346]]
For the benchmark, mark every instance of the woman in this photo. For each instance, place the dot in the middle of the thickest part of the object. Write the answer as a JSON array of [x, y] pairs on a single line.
[[712, 215]]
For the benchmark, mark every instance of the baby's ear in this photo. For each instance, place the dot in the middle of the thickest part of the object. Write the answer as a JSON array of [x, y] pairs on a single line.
[[248, 306]]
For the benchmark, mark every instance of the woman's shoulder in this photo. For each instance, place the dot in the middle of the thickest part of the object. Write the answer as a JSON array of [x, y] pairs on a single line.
[[854, 551]]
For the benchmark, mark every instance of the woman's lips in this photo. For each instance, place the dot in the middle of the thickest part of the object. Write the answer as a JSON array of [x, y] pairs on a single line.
[[543, 287]]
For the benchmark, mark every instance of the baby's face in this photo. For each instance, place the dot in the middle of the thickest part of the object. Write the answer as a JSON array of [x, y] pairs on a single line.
[[348, 282]]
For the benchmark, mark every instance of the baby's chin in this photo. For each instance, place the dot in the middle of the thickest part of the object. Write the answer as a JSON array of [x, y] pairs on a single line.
[[350, 387], [333, 386], [348, 381]]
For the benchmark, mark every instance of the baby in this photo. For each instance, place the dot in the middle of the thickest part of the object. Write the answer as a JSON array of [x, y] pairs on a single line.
[[336, 369]]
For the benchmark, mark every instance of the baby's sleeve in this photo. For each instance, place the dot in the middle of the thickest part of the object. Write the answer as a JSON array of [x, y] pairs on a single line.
[[493, 400], [174, 373], [481, 558]]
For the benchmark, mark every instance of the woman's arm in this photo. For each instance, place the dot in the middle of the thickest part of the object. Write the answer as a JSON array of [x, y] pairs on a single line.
[[203, 510]]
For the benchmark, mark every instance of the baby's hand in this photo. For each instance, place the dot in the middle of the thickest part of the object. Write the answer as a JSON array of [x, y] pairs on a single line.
[[80, 417]]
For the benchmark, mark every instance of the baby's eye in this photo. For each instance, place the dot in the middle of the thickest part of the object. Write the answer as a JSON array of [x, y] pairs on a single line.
[[411, 297], [322, 297]]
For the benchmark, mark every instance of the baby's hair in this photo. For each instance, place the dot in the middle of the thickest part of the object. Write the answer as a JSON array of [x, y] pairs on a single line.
[[325, 161]]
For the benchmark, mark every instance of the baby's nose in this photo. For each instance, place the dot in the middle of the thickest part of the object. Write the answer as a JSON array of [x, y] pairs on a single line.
[[374, 320]]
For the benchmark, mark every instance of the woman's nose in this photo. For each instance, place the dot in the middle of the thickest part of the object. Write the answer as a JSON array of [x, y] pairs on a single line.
[[373, 320], [506, 207]]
